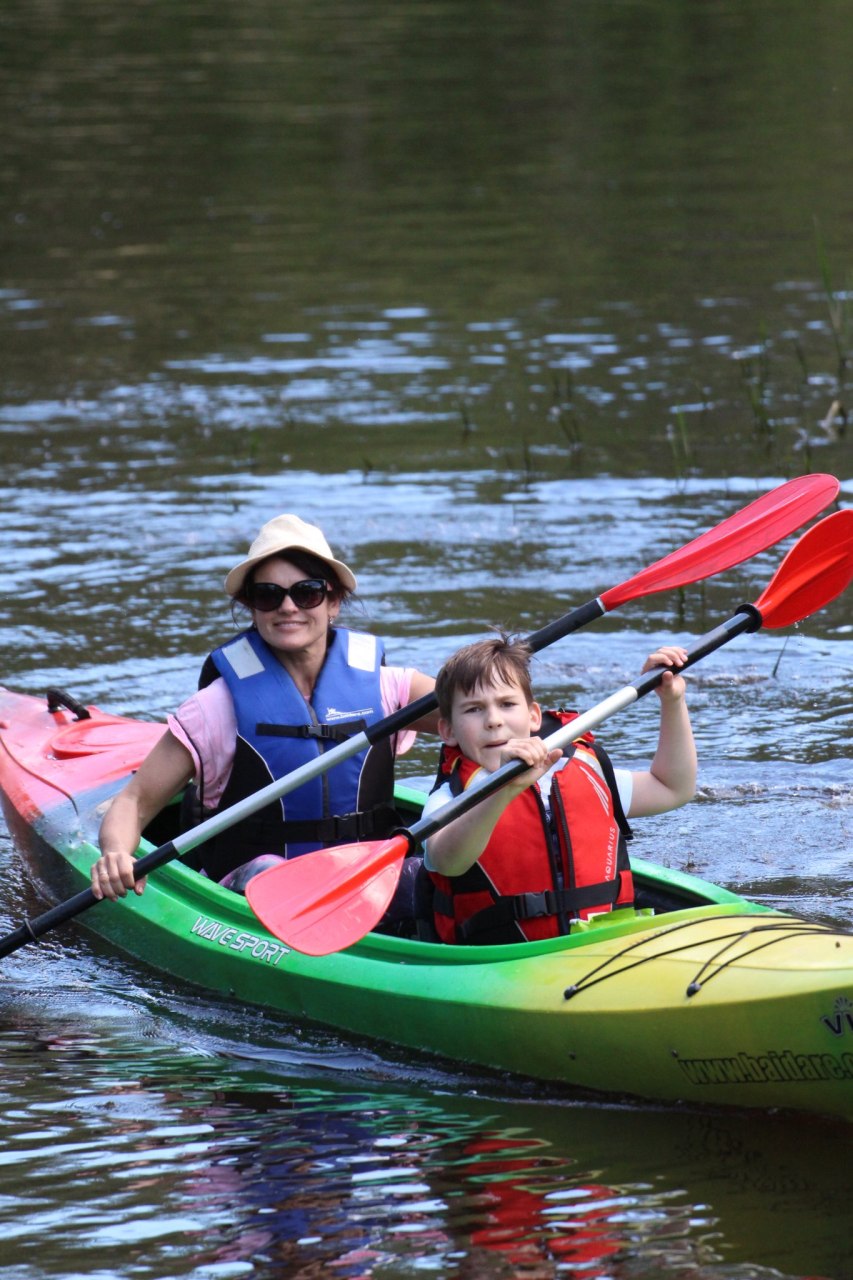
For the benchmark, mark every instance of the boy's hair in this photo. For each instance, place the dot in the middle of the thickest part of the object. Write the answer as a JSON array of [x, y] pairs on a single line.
[[484, 663]]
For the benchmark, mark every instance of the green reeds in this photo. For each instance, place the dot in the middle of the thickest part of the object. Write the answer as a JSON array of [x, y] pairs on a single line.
[[563, 408], [755, 372], [678, 435], [838, 307]]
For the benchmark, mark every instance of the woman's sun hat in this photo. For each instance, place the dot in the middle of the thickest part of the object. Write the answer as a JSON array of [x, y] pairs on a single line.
[[282, 534]]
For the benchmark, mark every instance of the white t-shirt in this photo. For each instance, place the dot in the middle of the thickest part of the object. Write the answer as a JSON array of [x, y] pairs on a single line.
[[443, 794]]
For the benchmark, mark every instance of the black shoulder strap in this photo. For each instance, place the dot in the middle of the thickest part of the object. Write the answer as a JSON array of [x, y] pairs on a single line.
[[610, 778], [208, 673], [441, 776]]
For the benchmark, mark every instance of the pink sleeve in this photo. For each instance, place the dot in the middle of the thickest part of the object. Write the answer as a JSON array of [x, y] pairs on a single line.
[[207, 726], [395, 683]]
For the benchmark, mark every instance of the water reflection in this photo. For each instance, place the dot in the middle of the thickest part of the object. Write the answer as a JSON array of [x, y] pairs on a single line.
[[173, 1161], [200, 1165]]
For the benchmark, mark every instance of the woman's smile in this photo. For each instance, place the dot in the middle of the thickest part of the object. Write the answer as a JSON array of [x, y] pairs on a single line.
[[289, 629]]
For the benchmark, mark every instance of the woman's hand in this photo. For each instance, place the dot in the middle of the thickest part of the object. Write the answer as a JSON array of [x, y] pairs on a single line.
[[164, 773], [112, 875]]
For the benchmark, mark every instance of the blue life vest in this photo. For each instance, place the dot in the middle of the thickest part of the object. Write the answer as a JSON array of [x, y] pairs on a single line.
[[278, 730]]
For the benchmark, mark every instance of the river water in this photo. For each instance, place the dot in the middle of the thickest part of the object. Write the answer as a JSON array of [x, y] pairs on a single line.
[[512, 300]]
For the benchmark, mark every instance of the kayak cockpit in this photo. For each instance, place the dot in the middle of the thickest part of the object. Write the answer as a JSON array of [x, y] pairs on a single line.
[[659, 891]]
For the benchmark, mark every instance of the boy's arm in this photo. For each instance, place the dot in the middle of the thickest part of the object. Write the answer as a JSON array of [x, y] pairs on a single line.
[[670, 780], [456, 847]]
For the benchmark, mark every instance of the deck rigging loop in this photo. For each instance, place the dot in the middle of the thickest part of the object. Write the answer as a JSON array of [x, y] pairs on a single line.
[[781, 930], [780, 934]]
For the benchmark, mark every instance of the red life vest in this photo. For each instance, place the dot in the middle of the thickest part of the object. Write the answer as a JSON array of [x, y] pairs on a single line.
[[536, 875]]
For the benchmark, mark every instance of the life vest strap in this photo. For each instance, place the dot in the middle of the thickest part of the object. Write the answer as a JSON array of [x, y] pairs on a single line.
[[324, 732], [506, 911], [343, 828]]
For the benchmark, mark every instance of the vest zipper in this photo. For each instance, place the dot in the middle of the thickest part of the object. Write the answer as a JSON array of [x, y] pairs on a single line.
[[321, 747]]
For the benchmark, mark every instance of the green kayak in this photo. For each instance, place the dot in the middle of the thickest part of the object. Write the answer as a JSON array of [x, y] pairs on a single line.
[[695, 995]]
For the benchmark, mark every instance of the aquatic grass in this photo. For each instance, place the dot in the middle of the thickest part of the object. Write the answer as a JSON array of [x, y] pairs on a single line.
[[755, 373], [527, 458], [838, 308], [802, 360], [564, 408], [518, 473], [562, 386], [817, 432], [785, 381], [563, 412], [468, 427], [570, 427], [678, 436]]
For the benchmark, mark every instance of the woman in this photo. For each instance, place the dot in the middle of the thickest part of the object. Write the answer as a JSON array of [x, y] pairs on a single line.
[[272, 698]]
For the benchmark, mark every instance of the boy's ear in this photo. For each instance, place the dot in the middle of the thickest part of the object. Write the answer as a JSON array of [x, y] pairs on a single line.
[[445, 732], [535, 717]]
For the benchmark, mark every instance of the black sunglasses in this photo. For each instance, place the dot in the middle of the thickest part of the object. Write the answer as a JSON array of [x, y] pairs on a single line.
[[267, 596]]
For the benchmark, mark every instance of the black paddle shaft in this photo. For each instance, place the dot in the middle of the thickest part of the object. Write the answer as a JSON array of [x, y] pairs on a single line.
[[746, 619], [547, 635], [32, 930]]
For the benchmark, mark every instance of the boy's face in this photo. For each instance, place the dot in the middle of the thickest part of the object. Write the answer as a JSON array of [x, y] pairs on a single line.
[[483, 721]]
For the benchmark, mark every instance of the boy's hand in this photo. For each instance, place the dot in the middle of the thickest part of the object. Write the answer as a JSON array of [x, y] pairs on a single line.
[[535, 754], [672, 686]]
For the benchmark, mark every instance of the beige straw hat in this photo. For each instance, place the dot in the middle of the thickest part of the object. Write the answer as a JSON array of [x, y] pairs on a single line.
[[287, 533]]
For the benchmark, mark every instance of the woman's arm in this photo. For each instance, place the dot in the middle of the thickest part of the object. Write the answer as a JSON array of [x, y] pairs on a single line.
[[164, 772], [420, 685]]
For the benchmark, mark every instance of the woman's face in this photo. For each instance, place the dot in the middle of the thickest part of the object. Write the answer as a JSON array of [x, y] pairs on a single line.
[[288, 630]]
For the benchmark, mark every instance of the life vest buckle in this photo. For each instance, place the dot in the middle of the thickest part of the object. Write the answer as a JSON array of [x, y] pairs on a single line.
[[527, 906]]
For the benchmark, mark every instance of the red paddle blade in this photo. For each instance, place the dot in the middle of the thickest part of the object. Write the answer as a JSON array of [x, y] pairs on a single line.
[[818, 568], [753, 529], [329, 899]]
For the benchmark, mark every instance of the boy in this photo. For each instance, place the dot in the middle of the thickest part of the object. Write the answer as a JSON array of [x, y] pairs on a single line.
[[550, 846]]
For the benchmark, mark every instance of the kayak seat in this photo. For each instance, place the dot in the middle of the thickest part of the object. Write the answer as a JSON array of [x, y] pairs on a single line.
[[661, 899], [191, 816], [409, 913]]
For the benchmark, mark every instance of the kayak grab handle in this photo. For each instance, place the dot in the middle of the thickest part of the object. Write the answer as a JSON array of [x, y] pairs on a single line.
[[57, 698]]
